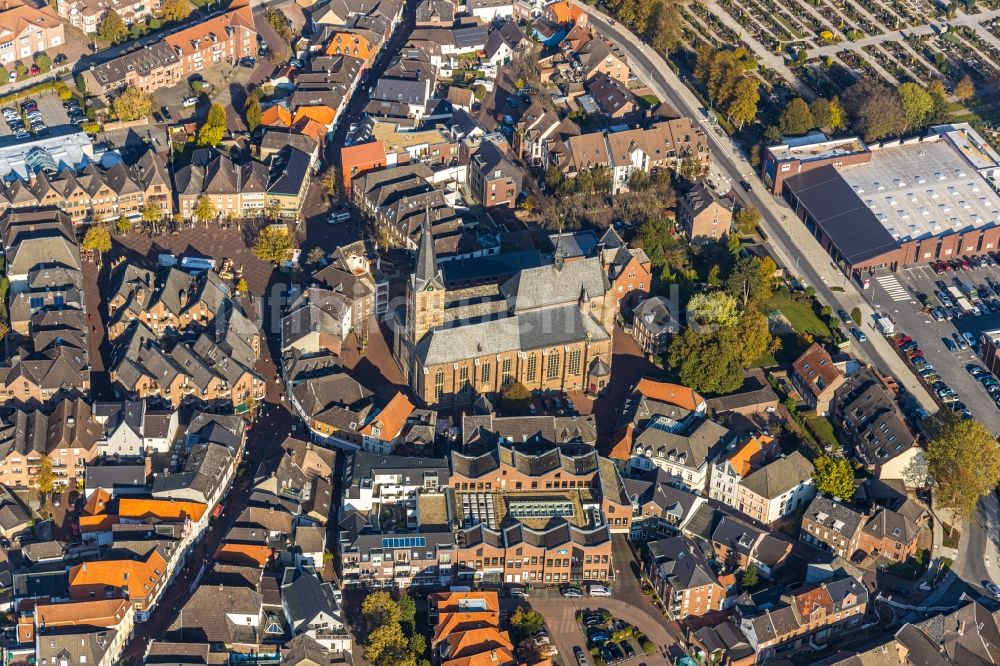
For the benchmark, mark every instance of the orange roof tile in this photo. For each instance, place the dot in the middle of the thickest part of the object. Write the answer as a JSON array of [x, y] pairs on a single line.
[[320, 113], [93, 613], [449, 623], [622, 450], [312, 129], [97, 503], [363, 153], [102, 523], [349, 43], [477, 641], [674, 394], [497, 657], [751, 454], [137, 576], [276, 116], [455, 602], [564, 12], [244, 554], [391, 419], [25, 630], [164, 509]]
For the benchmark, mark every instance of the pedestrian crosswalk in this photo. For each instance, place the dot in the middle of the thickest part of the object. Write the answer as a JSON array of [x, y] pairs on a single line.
[[892, 287]]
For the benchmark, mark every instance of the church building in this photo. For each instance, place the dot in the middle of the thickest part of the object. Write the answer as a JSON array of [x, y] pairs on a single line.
[[549, 328]]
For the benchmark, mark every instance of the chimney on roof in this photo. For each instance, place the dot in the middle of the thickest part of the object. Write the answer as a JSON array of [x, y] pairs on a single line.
[[961, 628]]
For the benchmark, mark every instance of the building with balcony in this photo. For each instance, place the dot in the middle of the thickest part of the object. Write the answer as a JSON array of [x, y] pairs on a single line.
[[682, 578]]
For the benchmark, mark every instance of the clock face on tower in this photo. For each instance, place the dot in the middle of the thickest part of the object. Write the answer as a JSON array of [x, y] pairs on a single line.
[[430, 287]]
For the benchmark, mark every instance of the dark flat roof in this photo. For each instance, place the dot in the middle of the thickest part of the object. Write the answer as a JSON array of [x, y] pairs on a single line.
[[855, 231]]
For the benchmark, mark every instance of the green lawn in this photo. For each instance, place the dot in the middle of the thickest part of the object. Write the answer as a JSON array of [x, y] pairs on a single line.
[[650, 99], [822, 430], [802, 318]]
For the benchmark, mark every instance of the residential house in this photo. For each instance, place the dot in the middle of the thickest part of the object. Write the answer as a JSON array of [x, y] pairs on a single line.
[[659, 508], [359, 159], [815, 376], [810, 617], [703, 215], [373, 480], [313, 608], [235, 190], [27, 29], [489, 11], [864, 409], [612, 97], [653, 325], [67, 436], [494, 179], [139, 580], [833, 526], [135, 428], [318, 321], [890, 535], [504, 42], [205, 476], [682, 578], [88, 632], [14, 516]]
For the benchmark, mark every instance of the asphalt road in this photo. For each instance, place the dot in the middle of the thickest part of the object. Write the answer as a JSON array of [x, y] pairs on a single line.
[[789, 240]]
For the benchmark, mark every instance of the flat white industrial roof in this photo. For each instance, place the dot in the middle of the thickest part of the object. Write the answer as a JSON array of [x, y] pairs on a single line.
[[816, 146], [924, 189]]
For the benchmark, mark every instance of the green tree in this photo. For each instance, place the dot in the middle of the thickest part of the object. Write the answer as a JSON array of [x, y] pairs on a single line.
[[252, 112], [705, 361], [917, 105], [378, 609], [751, 338], [514, 399], [385, 638], [856, 315], [112, 28], [875, 110], [132, 104], [123, 225], [81, 84], [408, 613], [97, 239], [963, 460], [214, 128], [749, 579], [741, 106], [715, 276], [204, 209], [746, 220], [272, 245], [690, 167], [44, 63], [151, 212], [664, 28], [820, 109], [44, 477], [175, 10], [750, 280], [526, 622], [796, 118], [939, 98], [418, 644], [834, 477], [713, 308], [652, 238]]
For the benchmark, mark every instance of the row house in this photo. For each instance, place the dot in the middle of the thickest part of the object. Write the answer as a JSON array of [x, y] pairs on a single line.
[[169, 300], [80, 632], [558, 553], [494, 179], [808, 618], [67, 436], [401, 559], [97, 194], [664, 426], [221, 39], [760, 482], [204, 370], [659, 508], [87, 15], [468, 628], [140, 581], [375, 479], [816, 377], [661, 146], [46, 290], [884, 534]]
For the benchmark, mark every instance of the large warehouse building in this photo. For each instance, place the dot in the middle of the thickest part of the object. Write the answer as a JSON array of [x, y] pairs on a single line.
[[895, 204]]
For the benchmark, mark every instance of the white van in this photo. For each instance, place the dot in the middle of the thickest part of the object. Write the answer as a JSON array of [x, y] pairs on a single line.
[[598, 591]]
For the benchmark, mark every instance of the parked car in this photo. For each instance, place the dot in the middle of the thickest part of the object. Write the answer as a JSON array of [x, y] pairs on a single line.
[[992, 588], [581, 656], [859, 334], [949, 345], [572, 592], [189, 102], [248, 61]]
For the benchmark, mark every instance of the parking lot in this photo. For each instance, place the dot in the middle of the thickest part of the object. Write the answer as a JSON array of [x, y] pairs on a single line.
[[898, 295], [53, 115]]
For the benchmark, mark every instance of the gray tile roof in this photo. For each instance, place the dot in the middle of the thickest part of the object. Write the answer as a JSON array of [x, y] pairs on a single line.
[[680, 562], [779, 476]]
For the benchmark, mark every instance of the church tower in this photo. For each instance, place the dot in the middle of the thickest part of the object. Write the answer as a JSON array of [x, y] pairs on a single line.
[[425, 292]]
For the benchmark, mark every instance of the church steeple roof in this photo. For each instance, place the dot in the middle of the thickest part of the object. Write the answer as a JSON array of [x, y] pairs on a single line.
[[427, 265]]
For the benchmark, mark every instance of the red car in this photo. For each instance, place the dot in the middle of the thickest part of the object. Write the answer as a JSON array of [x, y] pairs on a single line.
[[903, 340], [35, 71]]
